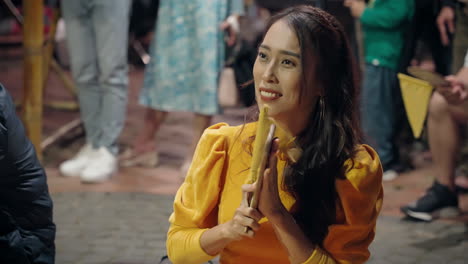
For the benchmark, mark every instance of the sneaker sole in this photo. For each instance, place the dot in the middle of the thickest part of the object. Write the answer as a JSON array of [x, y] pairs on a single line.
[[445, 212], [70, 174], [67, 175], [99, 180], [418, 215]]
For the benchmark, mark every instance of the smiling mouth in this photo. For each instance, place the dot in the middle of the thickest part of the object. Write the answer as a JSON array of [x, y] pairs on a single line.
[[268, 95]]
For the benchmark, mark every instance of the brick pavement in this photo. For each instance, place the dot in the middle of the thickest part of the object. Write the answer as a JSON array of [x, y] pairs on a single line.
[[130, 228], [104, 227]]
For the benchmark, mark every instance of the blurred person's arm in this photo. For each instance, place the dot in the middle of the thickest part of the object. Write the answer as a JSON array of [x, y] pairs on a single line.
[[457, 91], [232, 27], [386, 16], [26, 227], [231, 24], [446, 20]]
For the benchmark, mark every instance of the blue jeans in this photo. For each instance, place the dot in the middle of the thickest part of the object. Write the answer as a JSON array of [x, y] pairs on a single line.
[[97, 38], [379, 111]]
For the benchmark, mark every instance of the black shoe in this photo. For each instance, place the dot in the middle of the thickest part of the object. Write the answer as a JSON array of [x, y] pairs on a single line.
[[437, 197]]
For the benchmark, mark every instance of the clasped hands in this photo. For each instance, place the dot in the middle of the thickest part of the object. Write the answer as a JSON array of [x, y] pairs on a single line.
[[457, 90], [269, 206]]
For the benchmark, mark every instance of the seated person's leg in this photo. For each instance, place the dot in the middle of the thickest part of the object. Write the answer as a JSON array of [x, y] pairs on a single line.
[[460, 114], [444, 138]]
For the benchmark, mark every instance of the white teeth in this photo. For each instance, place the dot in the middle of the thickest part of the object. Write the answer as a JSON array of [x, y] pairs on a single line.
[[268, 94]]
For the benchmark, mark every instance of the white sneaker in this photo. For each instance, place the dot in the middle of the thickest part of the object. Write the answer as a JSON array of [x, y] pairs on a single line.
[[100, 168], [74, 166], [389, 175]]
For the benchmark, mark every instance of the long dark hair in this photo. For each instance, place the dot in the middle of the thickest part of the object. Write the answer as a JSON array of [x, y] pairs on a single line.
[[332, 132]]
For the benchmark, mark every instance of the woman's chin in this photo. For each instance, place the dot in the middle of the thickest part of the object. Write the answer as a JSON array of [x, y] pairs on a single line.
[[274, 116]]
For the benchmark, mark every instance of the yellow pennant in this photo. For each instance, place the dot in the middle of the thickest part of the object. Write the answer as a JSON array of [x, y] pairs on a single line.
[[416, 95]]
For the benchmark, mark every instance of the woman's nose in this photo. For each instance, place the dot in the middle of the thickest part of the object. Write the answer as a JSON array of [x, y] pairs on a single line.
[[269, 73]]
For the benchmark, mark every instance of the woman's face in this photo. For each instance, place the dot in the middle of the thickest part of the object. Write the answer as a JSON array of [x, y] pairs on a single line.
[[277, 75]]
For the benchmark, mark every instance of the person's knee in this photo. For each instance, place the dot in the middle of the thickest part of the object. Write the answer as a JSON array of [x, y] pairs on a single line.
[[438, 107]]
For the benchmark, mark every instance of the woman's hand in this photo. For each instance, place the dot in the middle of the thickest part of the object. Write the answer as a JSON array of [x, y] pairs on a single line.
[[214, 240], [243, 217], [287, 231], [269, 204]]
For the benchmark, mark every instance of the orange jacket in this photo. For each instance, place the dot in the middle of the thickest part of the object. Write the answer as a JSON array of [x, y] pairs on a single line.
[[212, 192]]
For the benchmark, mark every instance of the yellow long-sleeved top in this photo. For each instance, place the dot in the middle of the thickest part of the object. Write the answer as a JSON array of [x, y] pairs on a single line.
[[212, 192]]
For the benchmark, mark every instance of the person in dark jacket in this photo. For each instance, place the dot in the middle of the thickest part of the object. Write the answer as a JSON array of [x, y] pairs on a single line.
[[27, 231]]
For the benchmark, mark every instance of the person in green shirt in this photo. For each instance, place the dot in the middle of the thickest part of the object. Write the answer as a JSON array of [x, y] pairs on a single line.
[[384, 23]]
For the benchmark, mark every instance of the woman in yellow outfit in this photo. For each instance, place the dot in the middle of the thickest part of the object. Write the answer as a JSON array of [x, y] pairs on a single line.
[[320, 207]]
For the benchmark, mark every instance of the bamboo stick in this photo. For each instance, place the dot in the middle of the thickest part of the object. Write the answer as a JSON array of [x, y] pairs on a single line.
[[263, 125], [263, 139], [52, 62], [60, 133], [67, 82], [49, 61], [33, 38]]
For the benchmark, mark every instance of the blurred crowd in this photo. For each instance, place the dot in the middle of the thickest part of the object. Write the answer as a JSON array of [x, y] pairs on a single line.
[[193, 50]]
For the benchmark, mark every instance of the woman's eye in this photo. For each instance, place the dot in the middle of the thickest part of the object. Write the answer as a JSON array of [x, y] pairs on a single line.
[[289, 63], [262, 55]]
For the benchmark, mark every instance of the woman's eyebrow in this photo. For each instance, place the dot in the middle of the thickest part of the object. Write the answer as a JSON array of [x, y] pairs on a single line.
[[290, 53], [287, 52]]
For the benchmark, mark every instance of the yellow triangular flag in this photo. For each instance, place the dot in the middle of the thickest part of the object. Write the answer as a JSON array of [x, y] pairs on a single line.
[[416, 95]]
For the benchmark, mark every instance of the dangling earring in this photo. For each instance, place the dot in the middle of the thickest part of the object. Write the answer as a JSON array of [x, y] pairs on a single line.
[[321, 109]]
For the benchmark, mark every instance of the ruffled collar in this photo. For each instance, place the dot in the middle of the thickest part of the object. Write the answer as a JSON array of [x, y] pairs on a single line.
[[289, 150]]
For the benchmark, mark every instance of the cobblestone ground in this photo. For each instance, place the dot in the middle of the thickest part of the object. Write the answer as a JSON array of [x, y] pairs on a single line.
[[125, 228], [130, 228]]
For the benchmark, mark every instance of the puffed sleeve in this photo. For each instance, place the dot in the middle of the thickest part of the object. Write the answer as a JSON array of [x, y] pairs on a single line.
[[196, 201], [360, 200]]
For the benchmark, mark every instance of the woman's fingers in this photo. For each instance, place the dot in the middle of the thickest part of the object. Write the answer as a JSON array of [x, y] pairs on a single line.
[[249, 187], [275, 145], [273, 159], [249, 212], [271, 172], [245, 199], [244, 221], [254, 214]]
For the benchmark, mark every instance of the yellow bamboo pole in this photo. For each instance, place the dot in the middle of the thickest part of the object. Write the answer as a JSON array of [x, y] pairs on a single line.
[[33, 39]]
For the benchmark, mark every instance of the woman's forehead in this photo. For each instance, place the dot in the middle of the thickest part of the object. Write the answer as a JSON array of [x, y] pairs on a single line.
[[282, 37]]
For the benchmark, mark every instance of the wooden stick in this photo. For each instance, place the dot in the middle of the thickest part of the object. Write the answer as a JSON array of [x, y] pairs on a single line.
[[33, 39], [266, 154], [60, 132], [263, 137], [63, 76]]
